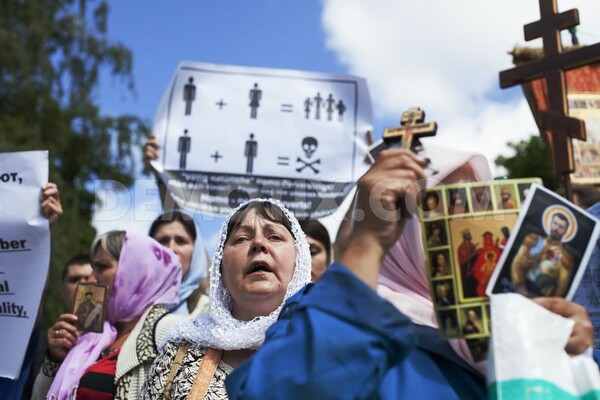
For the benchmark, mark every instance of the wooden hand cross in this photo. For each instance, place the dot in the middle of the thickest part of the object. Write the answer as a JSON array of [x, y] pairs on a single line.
[[411, 129]]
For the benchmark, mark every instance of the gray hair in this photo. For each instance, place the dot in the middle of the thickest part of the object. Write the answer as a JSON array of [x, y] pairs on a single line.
[[111, 242]]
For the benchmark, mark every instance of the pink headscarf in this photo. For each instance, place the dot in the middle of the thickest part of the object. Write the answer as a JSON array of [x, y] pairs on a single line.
[[147, 274], [403, 278]]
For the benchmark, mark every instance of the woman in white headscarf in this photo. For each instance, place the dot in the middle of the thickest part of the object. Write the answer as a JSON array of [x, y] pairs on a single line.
[[179, 231], [262, 258]]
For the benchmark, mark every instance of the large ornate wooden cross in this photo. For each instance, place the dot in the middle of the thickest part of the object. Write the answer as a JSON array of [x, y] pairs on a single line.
[[412, 128], [555, 120]]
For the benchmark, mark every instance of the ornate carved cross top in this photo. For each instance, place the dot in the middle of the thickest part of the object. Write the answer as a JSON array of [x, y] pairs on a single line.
[[411, 129], [552, 66]]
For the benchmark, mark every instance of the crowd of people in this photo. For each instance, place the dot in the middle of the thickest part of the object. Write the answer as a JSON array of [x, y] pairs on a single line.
[[275, 312]]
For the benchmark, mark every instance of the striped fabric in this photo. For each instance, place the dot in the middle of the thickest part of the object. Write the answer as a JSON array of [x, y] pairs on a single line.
[[98, 381]]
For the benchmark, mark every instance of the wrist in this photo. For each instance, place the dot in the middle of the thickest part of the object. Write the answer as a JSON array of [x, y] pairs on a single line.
[[363, 257], [50, 365]]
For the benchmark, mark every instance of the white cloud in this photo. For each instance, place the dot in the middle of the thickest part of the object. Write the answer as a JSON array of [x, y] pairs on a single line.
[[445, 58]]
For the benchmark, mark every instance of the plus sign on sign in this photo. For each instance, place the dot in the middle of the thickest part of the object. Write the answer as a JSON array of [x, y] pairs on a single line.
[[229, 133]]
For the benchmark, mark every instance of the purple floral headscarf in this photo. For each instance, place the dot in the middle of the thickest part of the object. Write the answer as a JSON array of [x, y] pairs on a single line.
[[147, 274]]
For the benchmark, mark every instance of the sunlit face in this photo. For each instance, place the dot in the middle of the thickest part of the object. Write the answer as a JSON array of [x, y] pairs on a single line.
[[318, 255], [558, 228], [75, 273], [257, 265], [105, 268], [174, 236]]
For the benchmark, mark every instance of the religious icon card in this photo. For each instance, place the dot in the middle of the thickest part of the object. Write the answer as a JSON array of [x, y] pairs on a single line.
[[549, 250], [465, 228], [90, 306], [586, 106]]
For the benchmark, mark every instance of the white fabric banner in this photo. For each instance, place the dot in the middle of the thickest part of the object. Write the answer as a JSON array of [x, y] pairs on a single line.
[[24, 252], [231, 133]]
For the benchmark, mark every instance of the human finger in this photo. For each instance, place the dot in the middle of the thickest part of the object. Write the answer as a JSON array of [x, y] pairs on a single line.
[[151, 149], [395, 173], [67, 321], [62, 336], [50, 204], [400, 155], [582, 336], [52, 210], [380, 202]]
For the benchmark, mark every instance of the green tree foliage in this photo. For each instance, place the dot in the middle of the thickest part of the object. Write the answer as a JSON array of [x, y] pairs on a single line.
[[531, 159], [53, 52]]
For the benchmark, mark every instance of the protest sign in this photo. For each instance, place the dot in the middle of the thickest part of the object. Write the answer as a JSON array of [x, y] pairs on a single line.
[[228, 134], [24, 252]]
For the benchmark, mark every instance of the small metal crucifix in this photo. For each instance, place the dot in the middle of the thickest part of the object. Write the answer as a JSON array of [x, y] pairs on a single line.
[[560, 127], [412, 128]]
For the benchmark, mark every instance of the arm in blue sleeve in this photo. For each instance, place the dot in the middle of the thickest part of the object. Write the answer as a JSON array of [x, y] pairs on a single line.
[[336, 338], [588, 292]]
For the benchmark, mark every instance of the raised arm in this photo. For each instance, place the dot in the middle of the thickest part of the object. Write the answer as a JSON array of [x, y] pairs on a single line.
[[380, 210], [151, 149]]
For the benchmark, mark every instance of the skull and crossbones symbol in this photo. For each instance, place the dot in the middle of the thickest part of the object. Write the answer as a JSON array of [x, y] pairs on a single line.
[[309, 145]]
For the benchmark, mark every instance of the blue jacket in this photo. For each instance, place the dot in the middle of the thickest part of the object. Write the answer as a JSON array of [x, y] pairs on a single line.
[[338, 339], [588, 292]]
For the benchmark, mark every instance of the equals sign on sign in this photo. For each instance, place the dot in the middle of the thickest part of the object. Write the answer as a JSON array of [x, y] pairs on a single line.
[[283, 161], [287, 108]]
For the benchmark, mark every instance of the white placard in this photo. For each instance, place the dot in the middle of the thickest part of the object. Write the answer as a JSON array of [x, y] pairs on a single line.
[[24, 252], [229, 133]]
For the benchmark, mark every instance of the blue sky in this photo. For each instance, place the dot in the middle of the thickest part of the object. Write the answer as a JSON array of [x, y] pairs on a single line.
[[267, 33], [434, 54]]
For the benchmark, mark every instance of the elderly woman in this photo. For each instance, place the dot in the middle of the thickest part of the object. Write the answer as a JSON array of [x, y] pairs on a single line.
[[142, 278], [261, 259], [178, 231]]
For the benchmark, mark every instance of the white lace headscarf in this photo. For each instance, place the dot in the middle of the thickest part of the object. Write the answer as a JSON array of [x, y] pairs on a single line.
[[218, 328]]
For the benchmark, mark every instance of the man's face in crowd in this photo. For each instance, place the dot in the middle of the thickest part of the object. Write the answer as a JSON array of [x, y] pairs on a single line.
[[75, 273]]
